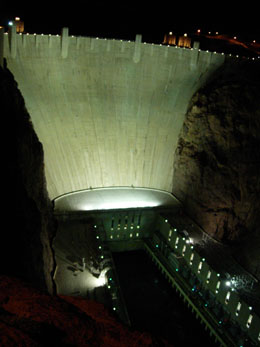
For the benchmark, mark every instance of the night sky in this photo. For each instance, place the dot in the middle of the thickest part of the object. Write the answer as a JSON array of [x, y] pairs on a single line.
[[124, 20]]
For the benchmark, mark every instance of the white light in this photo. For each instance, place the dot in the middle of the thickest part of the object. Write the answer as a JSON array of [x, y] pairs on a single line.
[[10, 23], [127, 204], [17, 18], [228, 283], [94, 282]]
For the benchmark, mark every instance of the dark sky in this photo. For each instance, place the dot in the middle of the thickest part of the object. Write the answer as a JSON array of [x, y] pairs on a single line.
[[127, 18]]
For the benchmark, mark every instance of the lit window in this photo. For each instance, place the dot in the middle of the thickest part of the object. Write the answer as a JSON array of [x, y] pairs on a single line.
[[227, 298], [176, 242], [183, 250], [238, 308], [112, 223], [200, 267], [170, 232], [131, 235], [249, 321], [111, 236], [191, 258], [139, 222], [217, 287], [137, 234], [208, 276], [259, 336]]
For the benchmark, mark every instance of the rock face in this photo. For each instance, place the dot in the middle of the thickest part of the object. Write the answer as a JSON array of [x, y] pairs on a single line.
[[25, 247], [29, 317], [217, 161]]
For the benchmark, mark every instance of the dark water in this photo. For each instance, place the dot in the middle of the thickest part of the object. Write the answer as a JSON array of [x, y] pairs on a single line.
[[153, 305]]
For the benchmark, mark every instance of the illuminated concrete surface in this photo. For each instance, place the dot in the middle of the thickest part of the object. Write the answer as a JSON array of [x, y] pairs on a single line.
[[114, 198], [107, 112]]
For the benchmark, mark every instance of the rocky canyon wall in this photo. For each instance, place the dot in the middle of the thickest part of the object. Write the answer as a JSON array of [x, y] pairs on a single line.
[[217, 161], [28, 225]]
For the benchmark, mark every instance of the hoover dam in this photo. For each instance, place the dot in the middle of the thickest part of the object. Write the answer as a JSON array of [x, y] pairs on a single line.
[[109, 114]]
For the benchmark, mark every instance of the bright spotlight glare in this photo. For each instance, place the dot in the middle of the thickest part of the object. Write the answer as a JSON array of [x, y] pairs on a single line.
[[127, 204], [101, 281], [97, 282], [10, 23]]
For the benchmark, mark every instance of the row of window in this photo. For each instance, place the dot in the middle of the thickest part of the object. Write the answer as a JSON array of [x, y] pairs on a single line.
[[131, 235], [123, 223]]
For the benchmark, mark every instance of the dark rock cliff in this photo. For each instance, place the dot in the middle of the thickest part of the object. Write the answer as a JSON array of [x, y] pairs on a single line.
[[217, 161], [25, 247], [31, 318]]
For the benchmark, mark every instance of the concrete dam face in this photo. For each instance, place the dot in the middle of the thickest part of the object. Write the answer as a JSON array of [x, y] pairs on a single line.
[[108, 112]]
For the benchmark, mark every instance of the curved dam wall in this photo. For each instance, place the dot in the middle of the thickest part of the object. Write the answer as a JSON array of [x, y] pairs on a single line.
[[107, 112]]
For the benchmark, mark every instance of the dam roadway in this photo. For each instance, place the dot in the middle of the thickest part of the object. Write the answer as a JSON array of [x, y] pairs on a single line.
[[108, 112]]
